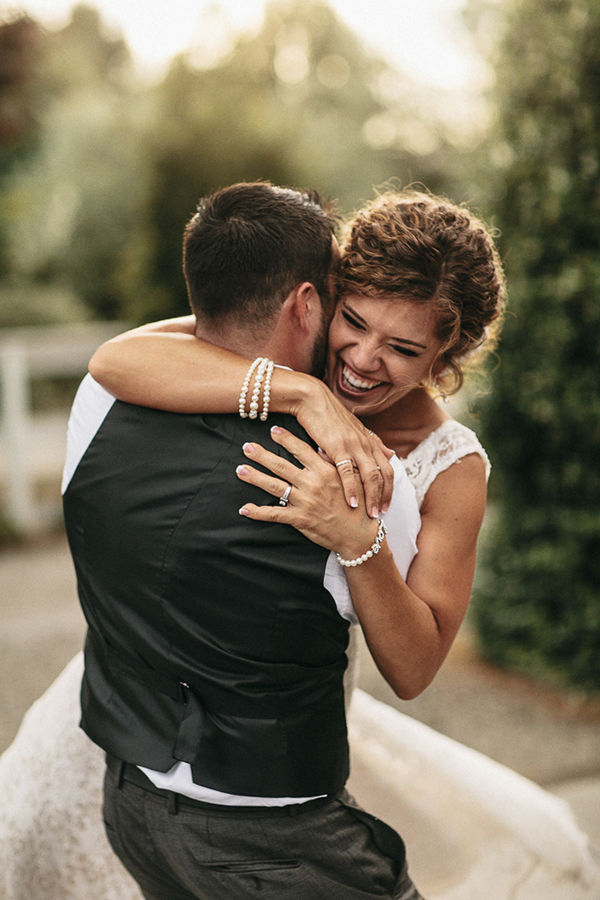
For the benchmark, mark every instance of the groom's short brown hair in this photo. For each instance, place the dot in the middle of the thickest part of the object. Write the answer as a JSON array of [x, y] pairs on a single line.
[[249, 245]]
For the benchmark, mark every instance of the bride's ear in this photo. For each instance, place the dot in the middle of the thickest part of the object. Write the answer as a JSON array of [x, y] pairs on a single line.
[[438, 368]]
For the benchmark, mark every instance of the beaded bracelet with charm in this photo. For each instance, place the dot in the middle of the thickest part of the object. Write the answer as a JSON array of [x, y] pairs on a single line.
[[372, 551]]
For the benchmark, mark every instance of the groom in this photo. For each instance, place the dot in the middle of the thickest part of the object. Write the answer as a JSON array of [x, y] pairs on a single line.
[[215, 651]]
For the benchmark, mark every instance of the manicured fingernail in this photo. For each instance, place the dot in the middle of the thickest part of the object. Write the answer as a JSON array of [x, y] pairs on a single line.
[[276, 430], [243, 511], [248, 448], [353, 502], [385, 507], [241, 470], [375, 512]]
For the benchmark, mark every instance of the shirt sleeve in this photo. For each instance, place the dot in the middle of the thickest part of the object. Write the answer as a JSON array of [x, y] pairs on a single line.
[[90, 408]]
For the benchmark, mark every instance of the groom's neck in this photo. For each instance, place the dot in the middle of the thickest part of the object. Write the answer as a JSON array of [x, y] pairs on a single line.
[[274, 342], [237, 340]]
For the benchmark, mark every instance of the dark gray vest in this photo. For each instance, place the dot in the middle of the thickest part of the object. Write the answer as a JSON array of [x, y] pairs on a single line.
[[211, 637]]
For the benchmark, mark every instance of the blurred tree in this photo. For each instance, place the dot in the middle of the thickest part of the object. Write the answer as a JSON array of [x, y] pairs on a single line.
[[71, 209], [537, 607], [20, 46], [98, 212], [85, 54], [299, 103], [20, 40], [20, 50]]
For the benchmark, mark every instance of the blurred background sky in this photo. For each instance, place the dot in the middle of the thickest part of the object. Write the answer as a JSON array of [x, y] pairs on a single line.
[[426, 38]]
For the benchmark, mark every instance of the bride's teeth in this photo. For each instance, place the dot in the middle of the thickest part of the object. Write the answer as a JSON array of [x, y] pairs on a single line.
[[356, 383]]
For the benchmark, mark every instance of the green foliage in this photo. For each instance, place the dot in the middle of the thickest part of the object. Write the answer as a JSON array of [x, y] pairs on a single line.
[[20, 49], [20, 46], [289, 104], [8, 534], [94, 203], [71, 208], [538, 605]]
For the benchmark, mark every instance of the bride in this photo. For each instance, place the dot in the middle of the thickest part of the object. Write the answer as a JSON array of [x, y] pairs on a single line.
[[420, 296]]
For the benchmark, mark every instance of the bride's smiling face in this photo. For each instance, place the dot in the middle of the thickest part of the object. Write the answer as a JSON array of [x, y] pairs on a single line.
[[380, 348]]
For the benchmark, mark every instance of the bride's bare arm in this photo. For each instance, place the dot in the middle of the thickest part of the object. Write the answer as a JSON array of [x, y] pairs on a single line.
[[409, 625], [165, 366]]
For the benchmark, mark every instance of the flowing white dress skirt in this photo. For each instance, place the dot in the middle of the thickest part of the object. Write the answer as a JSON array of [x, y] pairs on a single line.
[[474, 829]]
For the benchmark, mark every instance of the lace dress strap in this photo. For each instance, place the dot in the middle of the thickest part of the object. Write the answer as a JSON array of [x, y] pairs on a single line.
[[440, 450]]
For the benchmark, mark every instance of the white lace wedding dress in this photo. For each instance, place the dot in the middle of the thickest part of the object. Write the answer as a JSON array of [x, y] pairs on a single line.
[[507, 837]]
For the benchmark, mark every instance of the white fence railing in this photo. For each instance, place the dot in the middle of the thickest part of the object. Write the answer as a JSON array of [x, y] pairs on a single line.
[[36, 352]]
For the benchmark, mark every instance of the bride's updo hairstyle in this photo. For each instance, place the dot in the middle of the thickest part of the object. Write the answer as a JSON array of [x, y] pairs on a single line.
[[428, 250]]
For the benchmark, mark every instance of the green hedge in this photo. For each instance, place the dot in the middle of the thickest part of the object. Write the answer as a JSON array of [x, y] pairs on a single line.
[[537, 603], [537, 606]]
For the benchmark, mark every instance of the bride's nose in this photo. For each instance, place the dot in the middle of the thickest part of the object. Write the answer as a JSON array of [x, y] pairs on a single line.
[[364, 355]]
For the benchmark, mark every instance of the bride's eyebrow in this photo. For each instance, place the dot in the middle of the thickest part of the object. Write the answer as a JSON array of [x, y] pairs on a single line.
[[398, 340]]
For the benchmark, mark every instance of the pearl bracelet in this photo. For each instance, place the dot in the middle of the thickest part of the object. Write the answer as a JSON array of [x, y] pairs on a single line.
[[246, 385], [264, 372], [267, 391], [258, 380], [375, 548]]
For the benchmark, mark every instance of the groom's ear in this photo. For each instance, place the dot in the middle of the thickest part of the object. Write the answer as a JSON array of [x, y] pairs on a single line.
[[305, 306], [292, 341]]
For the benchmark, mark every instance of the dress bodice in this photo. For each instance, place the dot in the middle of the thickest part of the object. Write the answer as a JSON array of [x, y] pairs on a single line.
[[447, 445], [441, 449]]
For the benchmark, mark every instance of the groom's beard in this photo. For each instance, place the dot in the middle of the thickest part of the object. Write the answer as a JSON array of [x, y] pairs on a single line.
[[319, 352]]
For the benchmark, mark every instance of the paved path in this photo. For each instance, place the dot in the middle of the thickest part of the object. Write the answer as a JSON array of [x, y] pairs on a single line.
[[550, 738]]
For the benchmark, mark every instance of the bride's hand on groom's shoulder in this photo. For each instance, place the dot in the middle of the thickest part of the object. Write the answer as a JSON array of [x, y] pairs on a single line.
[[363, 461], [315, 504]]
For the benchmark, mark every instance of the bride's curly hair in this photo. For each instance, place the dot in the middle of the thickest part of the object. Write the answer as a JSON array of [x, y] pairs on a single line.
[[428, 250]]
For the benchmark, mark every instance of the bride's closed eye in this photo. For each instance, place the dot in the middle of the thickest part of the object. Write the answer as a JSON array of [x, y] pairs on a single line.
[[404, 350], [355, 323], [352, 321]]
